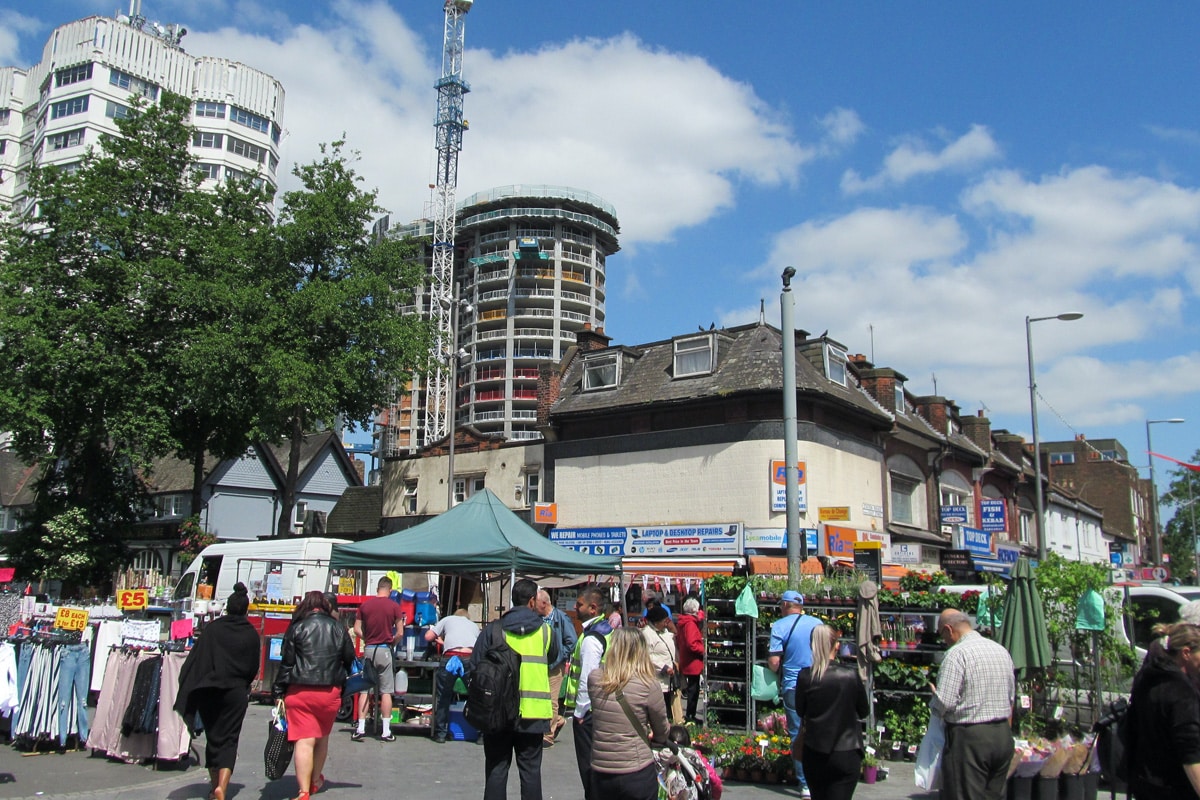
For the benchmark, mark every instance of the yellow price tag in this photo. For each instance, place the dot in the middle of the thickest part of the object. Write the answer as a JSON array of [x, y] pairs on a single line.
[[133, 599], [71, 619], [345, 586]]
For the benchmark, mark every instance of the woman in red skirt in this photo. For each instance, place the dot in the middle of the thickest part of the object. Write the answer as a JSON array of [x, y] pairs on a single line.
[[316, 658]]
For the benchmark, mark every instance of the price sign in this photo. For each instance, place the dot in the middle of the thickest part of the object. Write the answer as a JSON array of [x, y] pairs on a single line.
[[345, 586], [71, 619], [133, 599]]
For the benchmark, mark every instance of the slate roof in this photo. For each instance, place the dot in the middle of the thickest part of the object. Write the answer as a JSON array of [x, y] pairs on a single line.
[[17, 481], [748, 362], [359, 511]]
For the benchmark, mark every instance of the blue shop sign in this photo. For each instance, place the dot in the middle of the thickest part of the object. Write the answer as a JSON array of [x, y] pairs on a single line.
[[954, 514], [993, 516], [977, 542]]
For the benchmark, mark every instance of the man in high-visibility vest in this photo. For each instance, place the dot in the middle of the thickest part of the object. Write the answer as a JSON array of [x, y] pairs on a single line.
[[526, 632], [589, 651]]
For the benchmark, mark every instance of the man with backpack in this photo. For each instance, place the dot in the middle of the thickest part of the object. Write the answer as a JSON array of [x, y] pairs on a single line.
[[508, 696], [589, 652]]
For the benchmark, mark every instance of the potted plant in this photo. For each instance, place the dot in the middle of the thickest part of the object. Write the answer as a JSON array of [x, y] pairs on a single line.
[[870, 767]]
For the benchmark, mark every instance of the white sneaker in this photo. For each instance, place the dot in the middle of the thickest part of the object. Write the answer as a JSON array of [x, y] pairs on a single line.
[[805, 794]]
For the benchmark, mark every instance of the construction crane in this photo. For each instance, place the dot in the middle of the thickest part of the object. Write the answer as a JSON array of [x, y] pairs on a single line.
[[440, 388]]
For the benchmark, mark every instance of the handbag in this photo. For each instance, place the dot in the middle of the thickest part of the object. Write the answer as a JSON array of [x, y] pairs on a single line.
[[928, 771], [277, 754], [764, 683]]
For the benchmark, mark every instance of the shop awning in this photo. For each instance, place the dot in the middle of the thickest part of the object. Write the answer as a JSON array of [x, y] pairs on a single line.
[[777, 565], [679, 567]]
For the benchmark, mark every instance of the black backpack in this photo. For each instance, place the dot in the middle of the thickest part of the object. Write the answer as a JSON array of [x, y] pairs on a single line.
[[1113, 742], [494, 690]]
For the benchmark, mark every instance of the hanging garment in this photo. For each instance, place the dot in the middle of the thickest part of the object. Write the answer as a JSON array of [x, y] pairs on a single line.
[[37, 714], [141, 714], [141, 633], [9, 698], [173, 737], [107, 635], [74, 676], [106, 723]]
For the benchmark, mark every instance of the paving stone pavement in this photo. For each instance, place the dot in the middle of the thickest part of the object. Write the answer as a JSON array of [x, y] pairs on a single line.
[[412, 767]]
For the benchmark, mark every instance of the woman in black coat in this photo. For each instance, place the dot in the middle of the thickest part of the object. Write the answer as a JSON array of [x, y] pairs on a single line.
[[831, 699], [215, 681], [1162, 737]]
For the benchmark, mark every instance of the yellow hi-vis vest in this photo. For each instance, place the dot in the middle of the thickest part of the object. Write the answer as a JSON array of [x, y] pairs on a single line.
[[534, 680], [575, 672]]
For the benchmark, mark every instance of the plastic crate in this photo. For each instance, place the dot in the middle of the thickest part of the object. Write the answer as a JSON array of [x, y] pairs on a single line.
[[460, 729]]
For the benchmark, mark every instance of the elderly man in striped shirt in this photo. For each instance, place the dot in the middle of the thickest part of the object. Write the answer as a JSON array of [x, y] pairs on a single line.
[[974, 695]]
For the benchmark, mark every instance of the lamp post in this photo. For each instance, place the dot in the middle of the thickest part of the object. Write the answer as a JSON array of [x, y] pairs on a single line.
[[1155, 533], [787, 324], [1037, 445]]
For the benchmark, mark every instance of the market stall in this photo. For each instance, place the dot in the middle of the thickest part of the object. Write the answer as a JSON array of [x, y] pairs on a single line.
[[480, 537]]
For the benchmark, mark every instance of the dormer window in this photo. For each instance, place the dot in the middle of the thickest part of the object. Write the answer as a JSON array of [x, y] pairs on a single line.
[[835, 364], [601, 371], [900, 407], [694, 356]]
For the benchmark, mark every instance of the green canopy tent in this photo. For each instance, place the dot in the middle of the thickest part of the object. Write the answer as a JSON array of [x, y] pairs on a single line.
[[479, 535], [1023, 631]]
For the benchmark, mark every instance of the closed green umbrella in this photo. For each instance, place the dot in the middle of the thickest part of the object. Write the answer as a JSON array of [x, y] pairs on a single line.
[[1023, 632]]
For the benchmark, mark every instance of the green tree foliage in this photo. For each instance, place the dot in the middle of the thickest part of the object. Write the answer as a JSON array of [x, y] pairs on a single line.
[[336, 342], [1180, 532], [120, 325]]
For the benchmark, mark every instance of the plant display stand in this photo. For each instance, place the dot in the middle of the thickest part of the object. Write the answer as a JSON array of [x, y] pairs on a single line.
[[730, 641]]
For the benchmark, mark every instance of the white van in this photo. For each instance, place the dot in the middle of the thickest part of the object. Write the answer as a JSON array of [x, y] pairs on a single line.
[[282, 569], [1148, 604]]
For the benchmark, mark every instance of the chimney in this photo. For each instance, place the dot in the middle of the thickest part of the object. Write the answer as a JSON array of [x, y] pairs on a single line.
[[588, 339], [549, 387], [880, 383], [979, 430], [936, 411], [1011, 445]]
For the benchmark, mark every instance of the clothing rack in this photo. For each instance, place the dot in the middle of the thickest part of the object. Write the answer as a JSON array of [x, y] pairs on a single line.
[[157, 732]]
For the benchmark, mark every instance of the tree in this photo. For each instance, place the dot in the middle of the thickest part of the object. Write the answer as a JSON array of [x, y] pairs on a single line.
[[337, 341], [1180, 532], [112, 309]]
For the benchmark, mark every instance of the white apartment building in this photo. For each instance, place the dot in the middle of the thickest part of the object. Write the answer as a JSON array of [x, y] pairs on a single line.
[[91, 68]]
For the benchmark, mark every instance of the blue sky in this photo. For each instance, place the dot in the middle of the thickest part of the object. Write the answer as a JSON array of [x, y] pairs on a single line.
[[934, 171]]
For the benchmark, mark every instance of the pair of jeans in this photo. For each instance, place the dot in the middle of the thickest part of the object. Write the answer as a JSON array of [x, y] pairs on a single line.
[[23, 658], [74, 678], [582, 728], [639, 785], [445, 681], [793, 725]]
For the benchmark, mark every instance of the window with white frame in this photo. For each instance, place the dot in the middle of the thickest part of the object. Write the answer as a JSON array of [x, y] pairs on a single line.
[[247, 150], [1062, 458], [533, 488], [8, 519], [906, 503], [694, 356], [835, 364], [61, 141], [67, 108], [954, 490], [168, 506], [209, 172], [1026, 525], [900, 405], [5, 115], [601, 371], [410, 497], [299, 513], [207, 139], [69, 75], [145, 560], [115, 110], [134, 84], [466, 487], [243, 117], [210, 110]]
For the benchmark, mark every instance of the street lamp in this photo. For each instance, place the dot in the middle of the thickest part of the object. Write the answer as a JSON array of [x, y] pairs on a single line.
[[1155, 533], [1037, 446], [791, 455]]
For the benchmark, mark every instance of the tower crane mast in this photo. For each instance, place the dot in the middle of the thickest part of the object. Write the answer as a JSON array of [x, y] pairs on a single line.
[[449, 124]]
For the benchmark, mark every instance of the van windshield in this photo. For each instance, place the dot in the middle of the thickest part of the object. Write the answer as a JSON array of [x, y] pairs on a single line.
[[183, 589]]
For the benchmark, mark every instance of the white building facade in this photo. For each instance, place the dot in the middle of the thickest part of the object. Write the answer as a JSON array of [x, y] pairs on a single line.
[[92, 68]]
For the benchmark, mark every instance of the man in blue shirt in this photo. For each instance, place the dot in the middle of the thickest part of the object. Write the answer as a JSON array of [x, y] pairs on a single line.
[[789, 651]]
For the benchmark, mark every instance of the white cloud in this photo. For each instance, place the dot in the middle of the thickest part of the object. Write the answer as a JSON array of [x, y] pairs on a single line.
[[842, 128], [914, 158], [664, 137], [13, 26]]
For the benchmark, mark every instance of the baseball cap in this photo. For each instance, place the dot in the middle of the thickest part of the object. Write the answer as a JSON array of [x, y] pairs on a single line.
[[791, 596]]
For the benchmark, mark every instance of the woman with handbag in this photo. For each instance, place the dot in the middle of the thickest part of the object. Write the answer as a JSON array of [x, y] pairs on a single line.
[[626, 699], [316, 658], [214, 682], [831, 699], [661, 644]]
